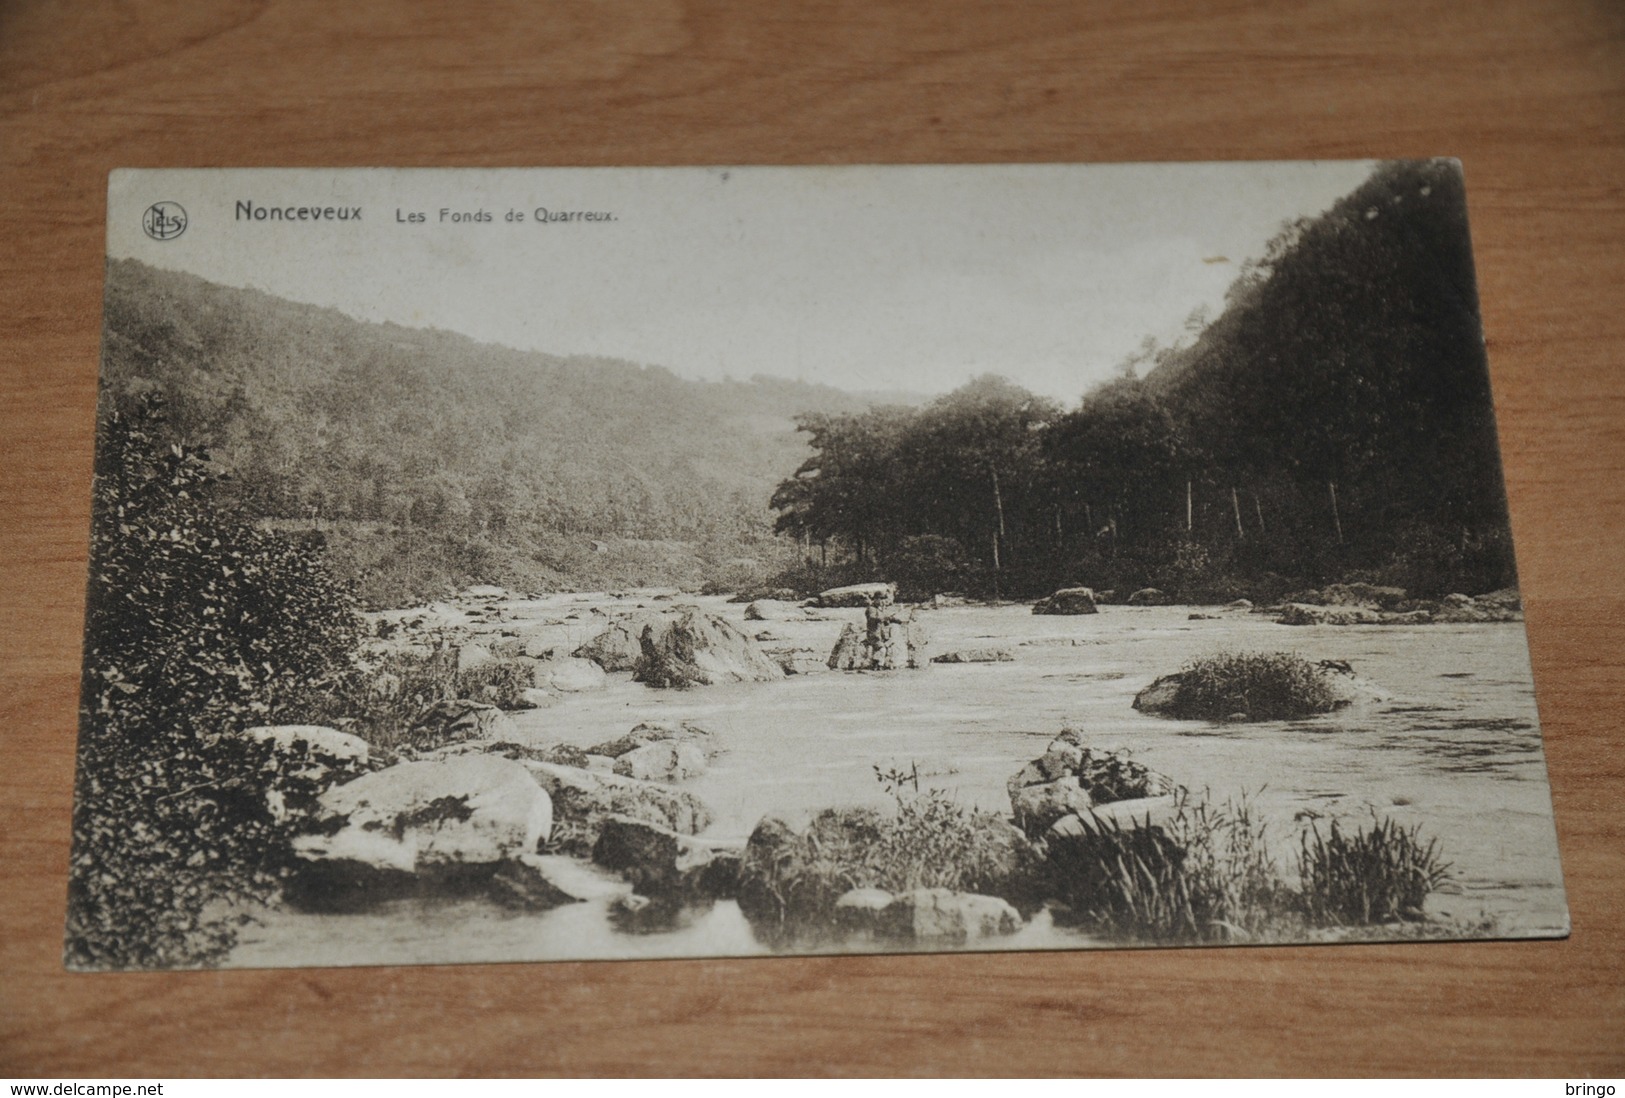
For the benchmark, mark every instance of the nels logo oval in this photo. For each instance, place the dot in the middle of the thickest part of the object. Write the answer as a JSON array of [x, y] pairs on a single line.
[[164, 220]]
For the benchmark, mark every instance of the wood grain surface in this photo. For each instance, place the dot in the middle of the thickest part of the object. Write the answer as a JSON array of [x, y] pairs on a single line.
[[1530, 94]]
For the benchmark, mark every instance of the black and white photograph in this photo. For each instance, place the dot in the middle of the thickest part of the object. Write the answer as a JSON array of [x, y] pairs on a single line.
[[498, 565]]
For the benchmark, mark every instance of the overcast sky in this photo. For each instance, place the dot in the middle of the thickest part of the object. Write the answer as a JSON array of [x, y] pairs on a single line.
[[912, 278]]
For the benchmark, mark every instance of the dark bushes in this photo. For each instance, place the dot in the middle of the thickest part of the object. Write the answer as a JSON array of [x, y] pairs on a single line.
[[197, 625], [1377, 876]]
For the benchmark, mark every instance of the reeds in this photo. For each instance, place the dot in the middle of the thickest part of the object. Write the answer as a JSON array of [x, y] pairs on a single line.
[[1377, 875], [1202, 874], [1205, 873]]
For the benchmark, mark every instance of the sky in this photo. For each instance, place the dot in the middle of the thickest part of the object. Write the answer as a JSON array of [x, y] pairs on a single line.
[[905, 278]]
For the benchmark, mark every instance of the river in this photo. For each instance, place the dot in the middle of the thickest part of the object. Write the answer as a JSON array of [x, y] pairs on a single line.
[[1455, 749]]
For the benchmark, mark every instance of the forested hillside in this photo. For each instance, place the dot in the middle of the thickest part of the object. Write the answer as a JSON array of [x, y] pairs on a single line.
[[1334, 422], [427, 459]]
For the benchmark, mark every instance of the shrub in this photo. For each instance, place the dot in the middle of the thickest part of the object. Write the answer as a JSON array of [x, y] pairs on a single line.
[[1377, 875], [197, 625], [1205, 875], [1263, 685]]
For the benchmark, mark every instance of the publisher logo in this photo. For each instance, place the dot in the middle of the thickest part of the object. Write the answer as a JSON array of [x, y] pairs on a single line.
[[164, 220]]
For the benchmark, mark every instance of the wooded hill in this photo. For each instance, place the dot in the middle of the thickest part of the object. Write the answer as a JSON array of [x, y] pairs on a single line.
[[427, 460], [1334, 423]]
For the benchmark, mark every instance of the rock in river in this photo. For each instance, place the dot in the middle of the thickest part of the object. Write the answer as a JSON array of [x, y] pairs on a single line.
[[666, 761], [1256, 686], [888, 640], [698, 649], [857, 594], [975, 655], [470, 809], [620, 646], [1068, 600], [659, 862], [584, 799], [1069, 778], [774, 610], [656, 732]]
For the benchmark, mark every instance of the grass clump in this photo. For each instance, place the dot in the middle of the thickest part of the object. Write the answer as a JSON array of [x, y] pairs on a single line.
[[1206, 874], [1377, 875], [1259, 685]]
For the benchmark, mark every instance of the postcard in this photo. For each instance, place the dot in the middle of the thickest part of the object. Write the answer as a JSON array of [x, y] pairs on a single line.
[[522, 565]]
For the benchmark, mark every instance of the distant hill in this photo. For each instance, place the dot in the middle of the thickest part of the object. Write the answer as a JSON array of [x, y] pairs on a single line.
[[429, 459]]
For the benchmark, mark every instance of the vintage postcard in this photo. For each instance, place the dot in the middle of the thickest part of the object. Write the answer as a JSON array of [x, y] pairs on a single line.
[[509, 565]]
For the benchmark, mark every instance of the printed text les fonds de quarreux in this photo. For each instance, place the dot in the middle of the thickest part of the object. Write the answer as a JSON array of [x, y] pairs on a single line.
[[250, 210]]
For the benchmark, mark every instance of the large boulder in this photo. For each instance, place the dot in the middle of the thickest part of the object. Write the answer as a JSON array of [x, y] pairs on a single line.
[[796, 660], [888, 640], [1257, 686], [856, 594], [699, 649], [415, 825], [1304, 613], [1150, 596], [1070, 778], [942, 915], [666, 761], [1068, 600], [620, 646], [302, 760], [571, 675], [584, 799], [1037, 805]]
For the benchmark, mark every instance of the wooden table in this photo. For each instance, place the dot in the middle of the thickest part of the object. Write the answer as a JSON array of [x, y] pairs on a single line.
[[1529, 94]]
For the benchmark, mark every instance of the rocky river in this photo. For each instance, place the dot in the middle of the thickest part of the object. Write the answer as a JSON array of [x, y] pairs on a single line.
[[1454, 746]]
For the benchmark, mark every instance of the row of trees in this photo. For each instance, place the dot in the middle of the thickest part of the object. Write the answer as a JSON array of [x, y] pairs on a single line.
[[1334, 422]]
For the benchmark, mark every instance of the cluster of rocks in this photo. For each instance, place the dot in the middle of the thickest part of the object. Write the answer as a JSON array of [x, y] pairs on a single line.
[[1071, 779], [1367, 604], [1087, 600], [534, 828], [525, 826]]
